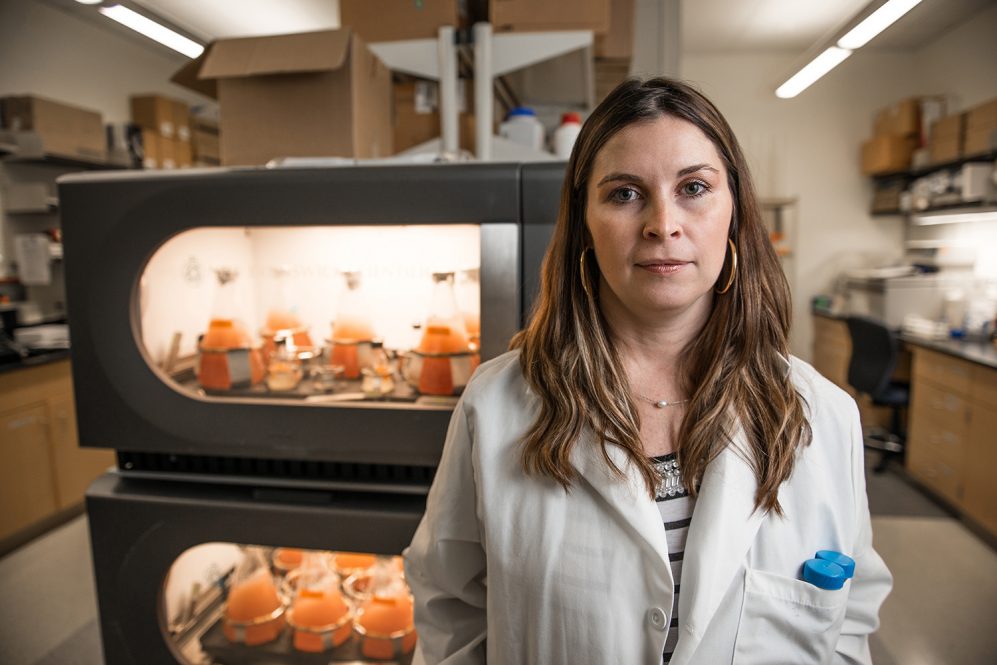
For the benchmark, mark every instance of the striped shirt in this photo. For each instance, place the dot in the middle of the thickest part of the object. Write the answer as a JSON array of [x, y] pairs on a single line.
[[675, 507]]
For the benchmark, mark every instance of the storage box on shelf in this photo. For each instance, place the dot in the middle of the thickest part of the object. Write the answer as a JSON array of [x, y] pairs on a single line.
[[946, 138], [204, 142], [543, 15], [417, 113], [391, 20], [950, 447], [887, 154], [165, 131], [64, 130], [618, 41], [981, 129], [307, 94]]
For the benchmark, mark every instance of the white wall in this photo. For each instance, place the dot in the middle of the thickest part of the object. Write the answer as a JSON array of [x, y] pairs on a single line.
[[808, 147], [56, 54]]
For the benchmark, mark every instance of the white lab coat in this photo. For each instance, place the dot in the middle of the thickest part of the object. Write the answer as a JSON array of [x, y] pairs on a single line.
[[512, 570]]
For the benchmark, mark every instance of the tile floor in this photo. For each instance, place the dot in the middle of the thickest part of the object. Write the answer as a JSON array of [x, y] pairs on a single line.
[[943, 609]]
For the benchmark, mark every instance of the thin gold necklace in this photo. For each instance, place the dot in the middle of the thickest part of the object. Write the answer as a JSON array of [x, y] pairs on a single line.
[[660, 403]]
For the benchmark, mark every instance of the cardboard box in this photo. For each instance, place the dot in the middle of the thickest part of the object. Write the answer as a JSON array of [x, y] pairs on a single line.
[[981, 129], [609, 73], [315, 94], [205, 145], [540, 15], [181, 120], [900, 119], [980, 142], [182, 155], [394, 20], [417, 116], [946, 138], [618, 42], [154, 112], [887, 154], [64, 130], [151, 151], [983, 116]]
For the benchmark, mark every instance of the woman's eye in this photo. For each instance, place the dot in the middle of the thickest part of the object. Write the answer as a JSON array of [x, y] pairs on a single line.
[[624, 195], [695, 188]]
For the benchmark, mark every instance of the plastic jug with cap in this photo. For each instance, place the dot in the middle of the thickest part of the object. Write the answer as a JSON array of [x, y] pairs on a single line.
[[566, 134], [522, 126]]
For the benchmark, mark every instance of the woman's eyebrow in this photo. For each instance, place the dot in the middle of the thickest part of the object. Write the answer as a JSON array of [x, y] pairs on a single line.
[[629, 177], [697, 167], [613, 177]]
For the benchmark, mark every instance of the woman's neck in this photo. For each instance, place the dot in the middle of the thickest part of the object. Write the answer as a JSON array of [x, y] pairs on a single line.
[[651, 348]]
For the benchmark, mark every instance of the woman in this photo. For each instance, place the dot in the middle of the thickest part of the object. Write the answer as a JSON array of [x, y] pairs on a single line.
[[643, 476]]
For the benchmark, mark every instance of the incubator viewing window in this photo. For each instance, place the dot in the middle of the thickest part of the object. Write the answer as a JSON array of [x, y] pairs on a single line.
[[316, 314], [227, 603]]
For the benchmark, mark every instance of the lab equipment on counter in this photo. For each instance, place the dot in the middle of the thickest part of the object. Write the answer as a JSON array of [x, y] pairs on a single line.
[[352, 332]]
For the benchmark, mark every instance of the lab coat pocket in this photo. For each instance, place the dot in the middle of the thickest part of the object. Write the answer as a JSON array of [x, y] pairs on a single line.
[[785, 620]]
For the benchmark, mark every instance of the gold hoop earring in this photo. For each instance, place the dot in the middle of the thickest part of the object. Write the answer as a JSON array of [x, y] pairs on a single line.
[[584, 276], [733, 267]]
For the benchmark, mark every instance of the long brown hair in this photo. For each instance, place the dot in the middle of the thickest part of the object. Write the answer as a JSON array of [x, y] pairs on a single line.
[[735, 370]]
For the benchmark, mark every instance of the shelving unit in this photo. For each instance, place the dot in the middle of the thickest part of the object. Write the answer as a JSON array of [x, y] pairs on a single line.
[[29, 205], [903, 179], [494, 55]]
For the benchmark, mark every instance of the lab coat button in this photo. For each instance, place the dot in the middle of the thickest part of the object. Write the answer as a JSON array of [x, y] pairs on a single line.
[[656, 617]]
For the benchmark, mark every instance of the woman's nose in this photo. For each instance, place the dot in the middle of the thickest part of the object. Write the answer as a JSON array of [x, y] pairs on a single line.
[[661, 222]]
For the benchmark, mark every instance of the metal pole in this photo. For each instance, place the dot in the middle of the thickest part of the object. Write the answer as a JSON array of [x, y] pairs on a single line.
[[483, 103], [448, 90], [670, 42]]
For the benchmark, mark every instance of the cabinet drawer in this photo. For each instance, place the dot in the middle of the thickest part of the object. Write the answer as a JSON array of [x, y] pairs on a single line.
[[936, 475], [943, 370], [985, 386], [939, 415]]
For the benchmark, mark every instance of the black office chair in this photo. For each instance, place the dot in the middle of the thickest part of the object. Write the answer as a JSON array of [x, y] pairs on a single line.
[[874, 357]]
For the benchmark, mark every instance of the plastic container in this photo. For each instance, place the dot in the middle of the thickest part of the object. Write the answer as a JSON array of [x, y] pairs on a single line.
[[521, 126], [846, 562], [824, 574], [566, 134]]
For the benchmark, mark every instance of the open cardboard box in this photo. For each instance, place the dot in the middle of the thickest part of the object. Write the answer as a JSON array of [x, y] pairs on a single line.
[[313, 94]]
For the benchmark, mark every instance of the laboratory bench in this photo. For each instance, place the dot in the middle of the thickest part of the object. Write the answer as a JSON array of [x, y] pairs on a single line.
[[951, 445], [43, 471]]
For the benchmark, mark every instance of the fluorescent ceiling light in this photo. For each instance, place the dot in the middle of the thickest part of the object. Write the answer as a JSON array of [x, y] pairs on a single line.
[[927, 219], [876, 22], [819, 66], [89, 2], [153, 30]]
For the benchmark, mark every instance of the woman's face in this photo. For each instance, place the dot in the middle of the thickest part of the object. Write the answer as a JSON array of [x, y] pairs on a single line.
[[659, 209]]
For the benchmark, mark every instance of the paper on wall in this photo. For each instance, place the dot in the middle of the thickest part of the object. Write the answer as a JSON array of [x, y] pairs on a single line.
[[33, 259]]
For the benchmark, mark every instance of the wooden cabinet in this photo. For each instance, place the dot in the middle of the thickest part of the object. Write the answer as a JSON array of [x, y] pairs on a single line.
[[832, 353], [42, 468], [952, 442], [27, 492]]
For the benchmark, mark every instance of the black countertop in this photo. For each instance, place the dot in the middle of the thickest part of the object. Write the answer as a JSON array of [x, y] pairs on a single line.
[[36, 359], [981, 353]]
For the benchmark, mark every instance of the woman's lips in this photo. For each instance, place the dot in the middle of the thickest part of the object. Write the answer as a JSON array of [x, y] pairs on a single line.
[[664, 268]]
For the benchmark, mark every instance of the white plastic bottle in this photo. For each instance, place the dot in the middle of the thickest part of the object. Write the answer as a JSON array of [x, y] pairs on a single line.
[[521, 126], [566, 133]]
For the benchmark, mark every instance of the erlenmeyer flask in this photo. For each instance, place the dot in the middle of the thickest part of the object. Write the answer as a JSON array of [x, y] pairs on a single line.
[[444, 359], [352, 332], [254, 611], [282, 316], [319, 615], [468, 292], [385, 622], [226, 357]]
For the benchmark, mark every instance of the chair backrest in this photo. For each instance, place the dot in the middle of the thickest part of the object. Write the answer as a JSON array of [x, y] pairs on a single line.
[[874, 355]]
